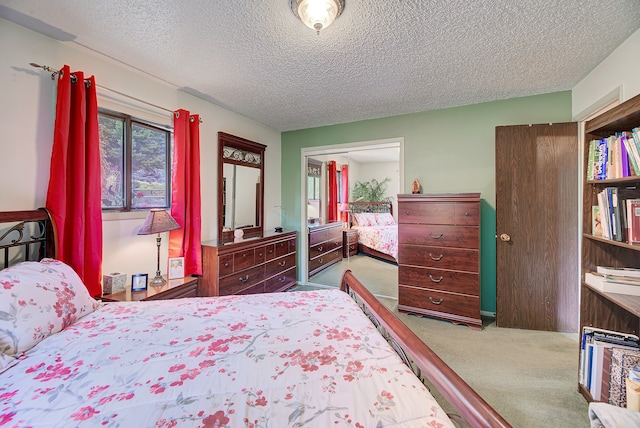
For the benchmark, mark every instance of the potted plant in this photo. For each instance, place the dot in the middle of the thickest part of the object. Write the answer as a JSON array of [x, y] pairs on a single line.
[[371, 191]]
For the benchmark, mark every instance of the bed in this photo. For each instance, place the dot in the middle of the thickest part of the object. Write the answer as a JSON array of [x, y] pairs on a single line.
[[377, 229], [296, 359]]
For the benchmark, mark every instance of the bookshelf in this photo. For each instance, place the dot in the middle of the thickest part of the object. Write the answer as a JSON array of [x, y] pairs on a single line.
[[609, 311]]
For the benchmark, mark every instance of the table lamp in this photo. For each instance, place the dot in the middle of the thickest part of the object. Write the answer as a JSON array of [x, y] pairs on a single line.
[[158, 221]]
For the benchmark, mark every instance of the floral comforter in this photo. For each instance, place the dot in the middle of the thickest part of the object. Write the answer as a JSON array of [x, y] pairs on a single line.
[[298, 359], [379, 238]]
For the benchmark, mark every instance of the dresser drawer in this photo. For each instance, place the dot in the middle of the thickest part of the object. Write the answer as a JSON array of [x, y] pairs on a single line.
[[254, 289], [439, 235], [281, 281], [438, 302], [324, 259], [440, 280], [467, 213], [439, 257], [243, 259], [282, 248], [225, 264], [237, 281], [324, 247], [269, 251], [279, 265], [428, 213], [325, 234]]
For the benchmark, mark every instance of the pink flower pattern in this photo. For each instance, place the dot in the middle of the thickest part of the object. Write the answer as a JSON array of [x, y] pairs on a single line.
[[197, 362]]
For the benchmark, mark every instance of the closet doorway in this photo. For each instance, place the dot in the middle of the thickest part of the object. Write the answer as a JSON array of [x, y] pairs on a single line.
[[342, 167]]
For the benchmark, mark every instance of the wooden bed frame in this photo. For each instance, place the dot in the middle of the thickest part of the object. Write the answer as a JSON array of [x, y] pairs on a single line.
[[471, 410], [372, 207]]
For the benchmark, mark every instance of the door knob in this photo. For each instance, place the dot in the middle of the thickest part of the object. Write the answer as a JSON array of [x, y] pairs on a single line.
[[505, 237]]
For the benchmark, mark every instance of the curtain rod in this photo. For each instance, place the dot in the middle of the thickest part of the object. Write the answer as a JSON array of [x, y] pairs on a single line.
[[55, 72]]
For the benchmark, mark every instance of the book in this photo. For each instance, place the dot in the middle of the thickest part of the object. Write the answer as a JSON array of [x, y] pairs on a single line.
[[600, 165], [591, 157], [596, 221], [621, 362], [604, 215], [600, 283], [618, 271], [633, 221], [614, 206]]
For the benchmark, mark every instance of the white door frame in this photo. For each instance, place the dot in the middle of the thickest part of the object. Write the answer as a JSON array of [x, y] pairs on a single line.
[[335, 149]]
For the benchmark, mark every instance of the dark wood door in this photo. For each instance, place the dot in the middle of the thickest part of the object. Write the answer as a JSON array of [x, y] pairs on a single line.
[[537, 275]]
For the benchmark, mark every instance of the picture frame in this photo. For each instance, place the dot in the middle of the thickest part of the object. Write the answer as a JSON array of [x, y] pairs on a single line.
[[139, 281], [175, 268]]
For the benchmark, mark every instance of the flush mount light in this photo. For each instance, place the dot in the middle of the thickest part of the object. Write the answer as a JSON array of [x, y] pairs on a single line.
[[317, 14]]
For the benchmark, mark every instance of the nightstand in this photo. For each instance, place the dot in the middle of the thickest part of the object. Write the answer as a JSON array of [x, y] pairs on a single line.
[[173, 289], [349, 243]]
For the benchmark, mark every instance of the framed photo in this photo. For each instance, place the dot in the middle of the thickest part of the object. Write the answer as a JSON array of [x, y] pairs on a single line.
[[176, 267], [139, 281]]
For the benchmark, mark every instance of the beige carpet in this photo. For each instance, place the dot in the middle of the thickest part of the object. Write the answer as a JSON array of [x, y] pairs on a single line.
[[530, 377]]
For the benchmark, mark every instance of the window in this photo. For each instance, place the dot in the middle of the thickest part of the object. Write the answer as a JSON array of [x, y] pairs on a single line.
[[136, 158]]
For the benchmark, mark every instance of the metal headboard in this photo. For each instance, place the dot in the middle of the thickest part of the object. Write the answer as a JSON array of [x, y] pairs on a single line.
[[370, 207], [25, 236]]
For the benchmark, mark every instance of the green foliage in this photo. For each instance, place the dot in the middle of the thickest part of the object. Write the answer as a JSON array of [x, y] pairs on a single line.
[[371, 191]]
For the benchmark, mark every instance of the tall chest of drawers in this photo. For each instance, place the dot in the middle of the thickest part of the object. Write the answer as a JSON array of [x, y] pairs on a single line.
[[325, 246], [256, 265], [439, 256]]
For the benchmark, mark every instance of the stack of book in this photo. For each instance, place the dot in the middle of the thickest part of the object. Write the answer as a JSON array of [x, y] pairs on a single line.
[[606, 358], [614, 280], [617, 156], [617, 215]]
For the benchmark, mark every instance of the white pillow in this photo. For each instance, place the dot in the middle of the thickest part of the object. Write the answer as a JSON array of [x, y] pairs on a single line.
[[365, 219], [385, 219], [38, 299]]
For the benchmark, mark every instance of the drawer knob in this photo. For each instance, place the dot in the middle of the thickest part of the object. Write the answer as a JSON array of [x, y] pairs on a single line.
[[505, 237], [407, 212], [434, 302], [435, 280], [320, 260], [282, 263], [435, 259], [270, 251], [466, 214], [245, 279], [244, 255], [226, 264], [282, 279], [436, 237], [337, 244], [259, 254], [320, 248]]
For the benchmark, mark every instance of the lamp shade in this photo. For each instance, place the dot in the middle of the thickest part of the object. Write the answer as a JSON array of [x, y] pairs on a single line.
[[157, 221]]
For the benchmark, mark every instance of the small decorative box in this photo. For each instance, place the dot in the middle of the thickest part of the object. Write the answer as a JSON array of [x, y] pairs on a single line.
[[114, 283]]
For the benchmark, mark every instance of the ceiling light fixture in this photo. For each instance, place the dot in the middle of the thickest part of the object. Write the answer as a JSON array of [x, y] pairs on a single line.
[[317, 14]]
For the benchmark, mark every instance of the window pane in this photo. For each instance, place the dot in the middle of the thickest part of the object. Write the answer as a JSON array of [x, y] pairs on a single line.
[[149, 167], [112, 161]]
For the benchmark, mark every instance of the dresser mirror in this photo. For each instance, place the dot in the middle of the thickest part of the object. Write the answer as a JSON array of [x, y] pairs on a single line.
[[240, 188]]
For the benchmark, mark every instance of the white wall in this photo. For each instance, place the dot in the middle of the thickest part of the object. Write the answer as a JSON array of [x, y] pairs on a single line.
[[26, 135], [621, 69]]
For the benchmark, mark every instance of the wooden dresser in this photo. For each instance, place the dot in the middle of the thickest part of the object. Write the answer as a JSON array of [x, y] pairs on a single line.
[[349, 243], [255, 265], [325, 246], [439, 256]]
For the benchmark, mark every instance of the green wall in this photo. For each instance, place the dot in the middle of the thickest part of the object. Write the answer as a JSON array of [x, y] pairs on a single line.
[[449, 150]]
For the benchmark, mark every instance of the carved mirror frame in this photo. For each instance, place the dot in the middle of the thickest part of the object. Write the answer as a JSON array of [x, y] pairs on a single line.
[[242, 152]]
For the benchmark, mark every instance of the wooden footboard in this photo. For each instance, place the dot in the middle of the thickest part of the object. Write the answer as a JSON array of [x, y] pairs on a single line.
[[471, 409]]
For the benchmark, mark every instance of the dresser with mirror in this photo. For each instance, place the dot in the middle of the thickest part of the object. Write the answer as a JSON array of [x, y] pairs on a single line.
[[245, 260]]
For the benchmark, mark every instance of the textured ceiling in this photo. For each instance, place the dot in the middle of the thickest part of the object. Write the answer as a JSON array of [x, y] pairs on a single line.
[[380, 58]]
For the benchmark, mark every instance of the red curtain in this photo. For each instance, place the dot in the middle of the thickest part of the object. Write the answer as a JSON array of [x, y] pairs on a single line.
[[185, 192], [344, 206], [332, 207], [73, 196]]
